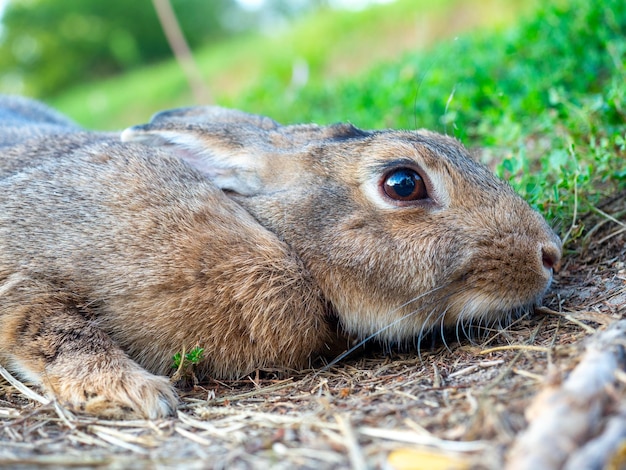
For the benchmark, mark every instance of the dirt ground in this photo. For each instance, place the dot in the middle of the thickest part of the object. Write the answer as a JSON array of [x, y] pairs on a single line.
[[456, 405]]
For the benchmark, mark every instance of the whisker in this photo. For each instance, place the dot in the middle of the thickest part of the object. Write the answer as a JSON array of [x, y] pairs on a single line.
[[442, 318], [469, 324], [421, 333], [385, 328]]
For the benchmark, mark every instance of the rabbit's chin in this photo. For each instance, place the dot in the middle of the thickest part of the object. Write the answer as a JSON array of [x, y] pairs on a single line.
[[464, 314]]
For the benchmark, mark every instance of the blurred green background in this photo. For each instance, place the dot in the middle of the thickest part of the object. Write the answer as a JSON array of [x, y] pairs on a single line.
[[109, 65]]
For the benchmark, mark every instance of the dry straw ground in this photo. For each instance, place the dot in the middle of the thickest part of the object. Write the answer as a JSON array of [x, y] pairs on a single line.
[[463, 405]]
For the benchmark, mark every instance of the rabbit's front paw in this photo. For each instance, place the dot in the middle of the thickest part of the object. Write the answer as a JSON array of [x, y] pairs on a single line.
[[48, 339], [127, 394]]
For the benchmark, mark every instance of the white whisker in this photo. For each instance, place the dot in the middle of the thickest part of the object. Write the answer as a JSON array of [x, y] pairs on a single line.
[[385, 328], [474, 321]]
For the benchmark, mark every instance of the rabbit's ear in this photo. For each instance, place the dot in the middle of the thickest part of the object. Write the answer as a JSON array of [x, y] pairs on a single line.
[[222, 156], [210, 116]]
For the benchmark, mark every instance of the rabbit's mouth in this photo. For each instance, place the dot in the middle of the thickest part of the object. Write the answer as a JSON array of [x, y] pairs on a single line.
[[488, 293]]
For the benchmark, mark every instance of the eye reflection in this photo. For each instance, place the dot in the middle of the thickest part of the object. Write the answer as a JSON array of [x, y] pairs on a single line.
[[404, 184]]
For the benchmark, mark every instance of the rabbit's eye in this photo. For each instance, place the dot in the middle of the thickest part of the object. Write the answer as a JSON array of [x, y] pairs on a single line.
[[404, 184]]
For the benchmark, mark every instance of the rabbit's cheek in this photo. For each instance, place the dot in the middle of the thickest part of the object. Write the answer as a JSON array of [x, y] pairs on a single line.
[[396, 291]]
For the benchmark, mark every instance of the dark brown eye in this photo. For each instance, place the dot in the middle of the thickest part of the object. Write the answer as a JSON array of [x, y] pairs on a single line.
[[404, 184]]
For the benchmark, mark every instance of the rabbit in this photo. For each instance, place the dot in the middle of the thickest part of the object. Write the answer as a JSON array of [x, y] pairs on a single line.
[[263, 244], [27, 121], [18, 113]]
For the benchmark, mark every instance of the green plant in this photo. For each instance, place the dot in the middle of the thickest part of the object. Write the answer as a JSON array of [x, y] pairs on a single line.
[[192, 358], [543, 100], [185, 364]]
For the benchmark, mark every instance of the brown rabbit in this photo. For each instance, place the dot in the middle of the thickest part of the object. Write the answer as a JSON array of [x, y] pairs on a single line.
[[248, 239]]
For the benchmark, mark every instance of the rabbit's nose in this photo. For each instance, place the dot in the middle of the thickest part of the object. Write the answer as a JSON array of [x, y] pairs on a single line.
[[551, 256]]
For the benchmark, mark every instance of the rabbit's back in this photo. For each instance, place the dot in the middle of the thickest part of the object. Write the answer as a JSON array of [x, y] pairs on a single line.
[[31, 133], [22, 119]]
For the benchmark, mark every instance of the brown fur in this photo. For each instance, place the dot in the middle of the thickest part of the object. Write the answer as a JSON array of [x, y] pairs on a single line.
[[230, 232]]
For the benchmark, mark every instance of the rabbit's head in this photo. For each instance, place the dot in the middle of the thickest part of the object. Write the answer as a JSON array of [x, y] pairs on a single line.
[[403, 231]]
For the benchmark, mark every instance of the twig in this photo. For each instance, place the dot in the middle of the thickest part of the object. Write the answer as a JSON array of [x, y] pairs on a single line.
[[192, 436], [562, 418], [23, 389], [569, 317], [595, 453], [513, 347], [181, 51], [117, 439], [611, 235], [472, 368], [350, 441], [608, 216], [421, 439]]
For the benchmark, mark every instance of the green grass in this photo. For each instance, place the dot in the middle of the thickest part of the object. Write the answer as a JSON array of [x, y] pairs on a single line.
[[543, 99], [193, 357], [334, 44]]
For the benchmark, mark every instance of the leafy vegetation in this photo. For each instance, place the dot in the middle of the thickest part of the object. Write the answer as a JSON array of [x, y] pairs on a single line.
[[185, 364], [191, 358], [260, 73], [47, 45], [91, 39]]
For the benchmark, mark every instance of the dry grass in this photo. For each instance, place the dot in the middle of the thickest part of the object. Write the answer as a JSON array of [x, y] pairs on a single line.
[[464, 402]]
